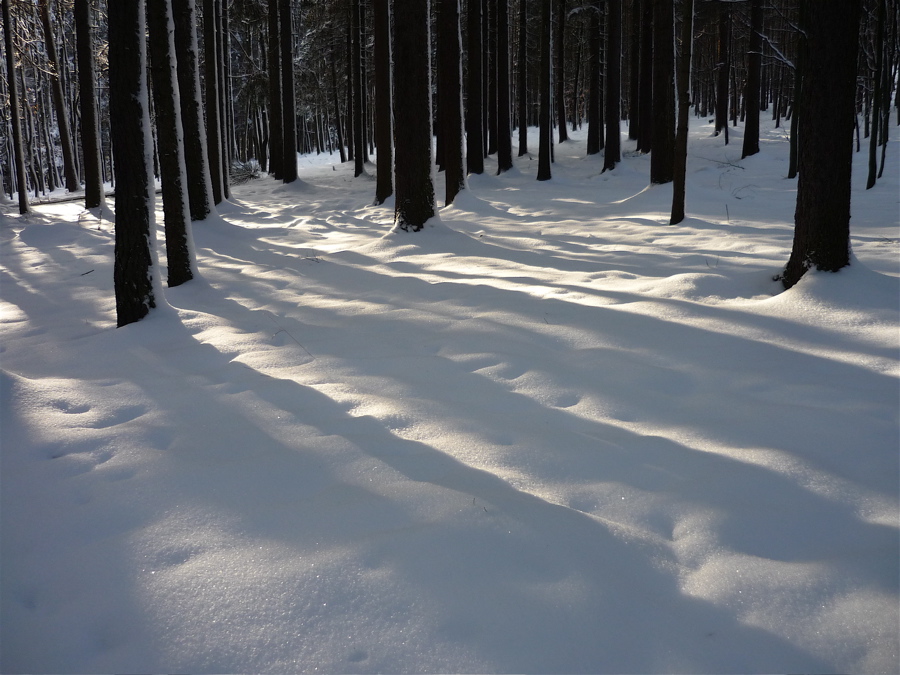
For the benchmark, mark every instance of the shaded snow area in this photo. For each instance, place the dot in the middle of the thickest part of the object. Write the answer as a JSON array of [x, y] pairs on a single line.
[[550, 433]]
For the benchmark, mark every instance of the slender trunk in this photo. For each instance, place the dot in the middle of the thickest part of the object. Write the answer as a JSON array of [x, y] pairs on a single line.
[[18, 148], [226, 130], [337, 105], [56, 91], [874, 139], [87, 94], [561, 70], [754, 65], [522, 80], [504, 140], [723, 68], [450, 89], [684, 93], [546, 131], [594, 132], [356, 64], [384, 186], [645, 128], [613, 152], [170, 149], [288, 114], [474, 100], [211, 81]]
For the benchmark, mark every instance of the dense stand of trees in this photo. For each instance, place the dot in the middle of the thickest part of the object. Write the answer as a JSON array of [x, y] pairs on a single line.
[[259, 81]]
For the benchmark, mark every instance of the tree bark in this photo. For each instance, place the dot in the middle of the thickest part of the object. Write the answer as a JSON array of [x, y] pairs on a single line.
[[384, 185], [754, 66], [59, 105], [169, 145], [131, 145], [211, 83], [874, 138], [288, 113], [684, 92], [414, 202], [522, 80], [612, 153], [662, 158], [822, 216], [474, 98], [450, 91], [359, 150], [18, 147], [87, 95], [276, 121], [546, 112], [594, 143], [504, 132], [561, 71]]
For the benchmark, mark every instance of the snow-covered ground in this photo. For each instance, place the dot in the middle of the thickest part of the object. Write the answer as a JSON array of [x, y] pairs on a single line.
[[549, 433]]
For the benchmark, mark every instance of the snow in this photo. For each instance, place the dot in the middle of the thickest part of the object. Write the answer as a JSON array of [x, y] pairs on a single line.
[[548, 433]]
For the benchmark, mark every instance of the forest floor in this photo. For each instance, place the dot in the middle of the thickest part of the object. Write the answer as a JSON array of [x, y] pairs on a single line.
[[549, 433]]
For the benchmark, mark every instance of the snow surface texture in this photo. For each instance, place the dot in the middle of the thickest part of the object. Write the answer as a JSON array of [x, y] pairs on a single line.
[[549, 433]]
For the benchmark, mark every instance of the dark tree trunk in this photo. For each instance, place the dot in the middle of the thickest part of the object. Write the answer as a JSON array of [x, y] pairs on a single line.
[[799, 76], [684, 92], [522, 80], [337, 107], [18, 147], [490, 63], [723, 68], [169, 149], [594, 143], [613, 152], [504, 132], [875, 139], [645, 105], [560, 45], [450, 91], [634, 72], [276, 121], [211, 82], [384, 185], [359, 148], [412, 115], [662, 158], [546, 110], [59, 105], [131, 146], [474, 99], [288, 114], [87, 94], [754, 65], [822, 216]]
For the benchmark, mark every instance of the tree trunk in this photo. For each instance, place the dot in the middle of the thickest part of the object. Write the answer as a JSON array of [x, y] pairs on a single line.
[[288, 113], [754, 65], [504, 140], [874, 139], [594, 132], [645, 105], [56, 91], [822, 216], [450, 91], [87, 94], [546, 112], [684, 93], [474, 99], [199, 180], [612, 153], [384, 186], [359, 150], [414, 203], [226, 114], [662, 158], [561, 71], [169, 142], [211, 83], [18, 147], [522, 80], [723, 69], [130, 134]]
